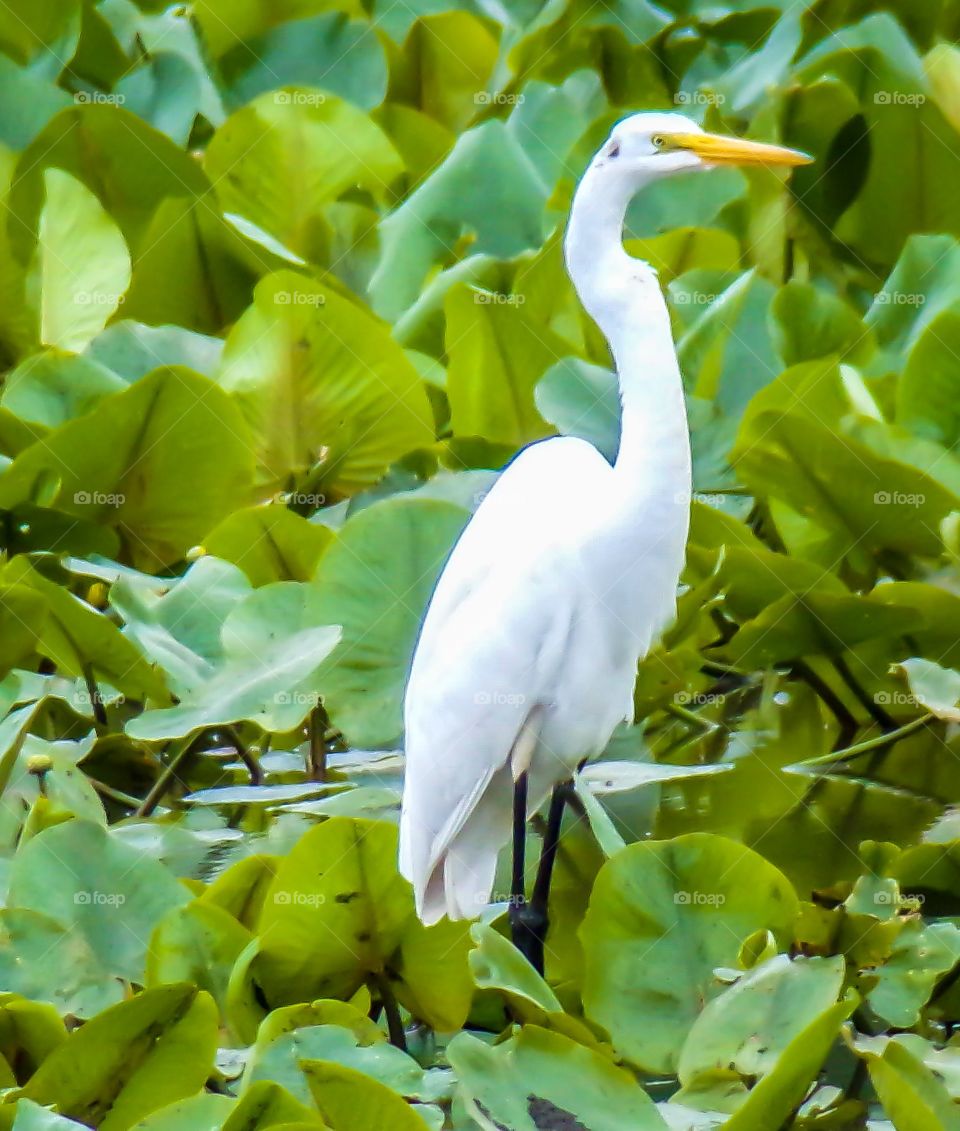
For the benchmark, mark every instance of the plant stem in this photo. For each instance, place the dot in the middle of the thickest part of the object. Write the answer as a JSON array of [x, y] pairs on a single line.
[[835, 705], [876, 743], [389, 1002], [96, 701], [317, 727], [163, 783], [253, 766], [125, 799], [874, 710]]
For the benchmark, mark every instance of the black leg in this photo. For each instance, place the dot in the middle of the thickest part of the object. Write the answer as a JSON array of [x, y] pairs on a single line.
[[529, 921], [518, 887]]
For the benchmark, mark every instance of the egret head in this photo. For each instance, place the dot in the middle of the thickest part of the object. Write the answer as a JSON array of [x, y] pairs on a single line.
[[647, 146]]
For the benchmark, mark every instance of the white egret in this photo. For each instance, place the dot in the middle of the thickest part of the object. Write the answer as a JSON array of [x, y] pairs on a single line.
[[566, 574]]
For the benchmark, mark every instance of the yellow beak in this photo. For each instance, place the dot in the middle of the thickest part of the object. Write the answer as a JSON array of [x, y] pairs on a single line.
[[718, 150]]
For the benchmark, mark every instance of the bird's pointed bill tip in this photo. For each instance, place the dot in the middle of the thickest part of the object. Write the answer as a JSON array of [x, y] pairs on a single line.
[[716, 149]]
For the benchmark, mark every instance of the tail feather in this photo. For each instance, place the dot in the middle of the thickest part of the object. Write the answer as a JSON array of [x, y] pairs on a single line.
[[458, 881]]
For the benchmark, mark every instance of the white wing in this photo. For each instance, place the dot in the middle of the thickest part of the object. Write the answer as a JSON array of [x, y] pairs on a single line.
[[486, 667]]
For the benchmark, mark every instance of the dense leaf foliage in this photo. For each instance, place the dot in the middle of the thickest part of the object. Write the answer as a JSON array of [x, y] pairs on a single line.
[[281, 289]]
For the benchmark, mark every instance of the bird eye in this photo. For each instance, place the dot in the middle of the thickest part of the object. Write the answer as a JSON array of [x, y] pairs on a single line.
[[614, 150], [658, 141]]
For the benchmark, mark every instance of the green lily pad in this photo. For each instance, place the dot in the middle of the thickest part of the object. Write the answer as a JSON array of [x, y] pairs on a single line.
[[662, 916]]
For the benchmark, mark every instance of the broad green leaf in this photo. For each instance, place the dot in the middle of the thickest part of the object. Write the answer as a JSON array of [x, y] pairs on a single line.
[[269, 543], [748, 1028], [81, 876], [196, 943], [550, 1075], [496, 357], [323, 1013], [582, 400], [242, 888], [910, 1092], [225, 23], [80, 640], [318, 378], [921, 955], [280, 159], [726, 354], [181, 625], [33, 1117], [812, 323], [687, 249], [928, 387], [272, 645], [131, 349], [871, 485], [443, 66], [267, 1104], [434, 982], [922, 284], [159, 462], [82, 266], [875, 57], [934, 687], [281, 1061], [375, 580], [485, 186], [342, 57], [127, 164], [30, 1031], [812, 623], [350, 1101], [131, 1059], [33, 944], [662, 916], [54, 386], [323, 932], [44, 34], [215, 266], [203, 1112], [22, 614], [497, 964], [778, 1094]]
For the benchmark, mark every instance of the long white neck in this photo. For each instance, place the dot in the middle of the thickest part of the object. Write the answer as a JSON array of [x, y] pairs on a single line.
[[640, 548], [623, 296]]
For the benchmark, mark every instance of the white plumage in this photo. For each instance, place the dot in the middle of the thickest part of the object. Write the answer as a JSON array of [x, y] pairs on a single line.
[[568, 570]]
